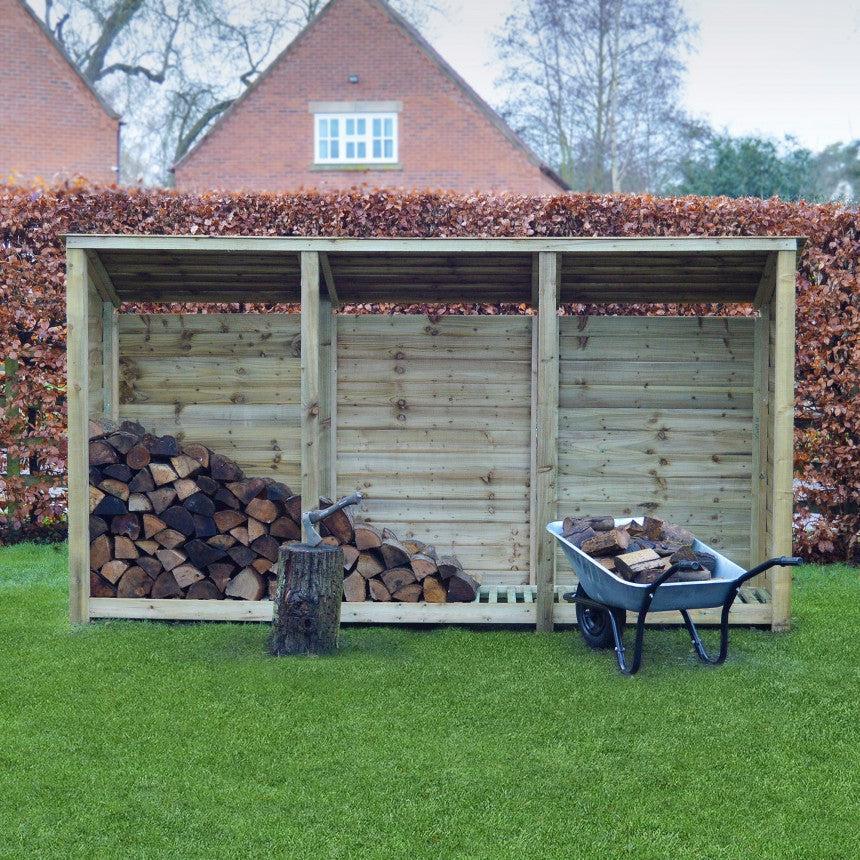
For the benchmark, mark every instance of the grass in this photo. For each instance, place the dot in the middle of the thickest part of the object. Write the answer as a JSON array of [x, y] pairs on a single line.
[[138, 739]]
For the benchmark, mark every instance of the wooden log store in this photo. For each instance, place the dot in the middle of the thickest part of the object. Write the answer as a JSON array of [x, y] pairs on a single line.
[[471, 432]]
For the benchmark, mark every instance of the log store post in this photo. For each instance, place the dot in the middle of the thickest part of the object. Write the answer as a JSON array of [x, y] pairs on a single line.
[[545, 475], [310, 382], [782, 317], [77, 395]]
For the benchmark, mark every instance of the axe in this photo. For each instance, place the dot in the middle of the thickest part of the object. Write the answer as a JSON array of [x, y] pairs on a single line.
[[311, 518]]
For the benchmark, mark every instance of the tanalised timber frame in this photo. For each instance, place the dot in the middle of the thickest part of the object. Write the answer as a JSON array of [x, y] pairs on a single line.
[[757, 270]]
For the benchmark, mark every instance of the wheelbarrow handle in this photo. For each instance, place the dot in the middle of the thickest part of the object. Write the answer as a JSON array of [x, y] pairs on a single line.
[[779, 561]]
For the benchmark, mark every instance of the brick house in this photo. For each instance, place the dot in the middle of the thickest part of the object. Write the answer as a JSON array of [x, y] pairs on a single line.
[[52, 122], [358, 97]]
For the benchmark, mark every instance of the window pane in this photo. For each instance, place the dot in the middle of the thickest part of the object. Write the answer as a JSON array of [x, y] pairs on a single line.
[[350, 126], [389, 127], [377, 149], [323, 128], [323, 149], [362, 149], [377, 127], [333, 128], [360, 124], [350, 149], [334, 149], [389, 149]]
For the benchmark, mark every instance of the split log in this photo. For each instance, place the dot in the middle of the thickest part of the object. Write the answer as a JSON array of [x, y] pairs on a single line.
[[139, 503], [394, 554], [101, 552], [169, 538], [286, 528], [123, 547], [150, 547], [369, 564], [226, 520], [266, 546], [630, 563], [339, 525], [241, 555], [307, 600], [221, 573], [204, 590], [114, 488], [224, 469], [246, 585], [367, 536], [462, 588], [449, 566], [138, 457], [202, 554], [247, 490], [102, 454], [179, 519], [126, 524], [100, 588], [409, 593], [256, 529], [113, 570], [422, 565], [607, 543], [170, 558], [221, 541], [98, 526], [186, 574], [240, 534], [396, 578], [185, 466], [165, 587], [199, 452], [434, 589], [152, 525], [227, 499], [161, 499], [185, 488], [199, 503], [151, 565], [134, 583], [355, 588], [161, 446], [118, 471], [96, 498], [110, 506], [162, 474], [378, 591], [141, 482], [350, 556], [122, 441], [262, 509]]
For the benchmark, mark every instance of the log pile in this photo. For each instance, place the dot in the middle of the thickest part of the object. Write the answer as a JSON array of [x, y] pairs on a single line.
[[177, 520], [638, 552]]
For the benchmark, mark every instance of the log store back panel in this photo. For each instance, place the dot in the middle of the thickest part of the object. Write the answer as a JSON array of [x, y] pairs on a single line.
[[656, 417], [230, 381], [433, 425]]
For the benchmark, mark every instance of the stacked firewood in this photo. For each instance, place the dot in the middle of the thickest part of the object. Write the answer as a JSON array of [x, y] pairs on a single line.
[[639, 552], [171, 520], [381, 567]]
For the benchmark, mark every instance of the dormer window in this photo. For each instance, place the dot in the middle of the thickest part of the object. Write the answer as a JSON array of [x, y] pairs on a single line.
[[355, 138]]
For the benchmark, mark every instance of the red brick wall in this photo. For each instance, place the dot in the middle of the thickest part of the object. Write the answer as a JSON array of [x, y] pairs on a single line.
[[51, 124], [445, 140]]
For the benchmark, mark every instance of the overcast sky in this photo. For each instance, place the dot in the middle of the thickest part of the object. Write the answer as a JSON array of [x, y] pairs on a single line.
[[771, 67]]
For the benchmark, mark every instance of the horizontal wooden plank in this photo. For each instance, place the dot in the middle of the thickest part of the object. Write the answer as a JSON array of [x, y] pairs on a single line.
[[584, 396], [446, 442], [417, 416], [633, 419]]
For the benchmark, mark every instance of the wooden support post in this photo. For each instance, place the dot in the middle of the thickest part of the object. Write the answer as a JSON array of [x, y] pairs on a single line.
[[110, 360], [77, 392], [310, 382], [782, 434], [761, 435], [307, 601], [545, 475], [328, 407]]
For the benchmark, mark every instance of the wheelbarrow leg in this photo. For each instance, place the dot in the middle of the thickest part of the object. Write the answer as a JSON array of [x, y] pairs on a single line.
[[698, 645], [620, 653]]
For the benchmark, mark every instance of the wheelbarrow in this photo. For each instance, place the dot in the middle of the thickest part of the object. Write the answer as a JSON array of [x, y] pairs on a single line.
[[603, 599]]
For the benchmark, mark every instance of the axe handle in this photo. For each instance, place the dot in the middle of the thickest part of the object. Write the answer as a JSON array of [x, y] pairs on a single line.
[[311, 518]]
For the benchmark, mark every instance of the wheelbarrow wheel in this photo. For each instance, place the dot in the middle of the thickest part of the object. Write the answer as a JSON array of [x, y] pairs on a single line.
[[594, 624]]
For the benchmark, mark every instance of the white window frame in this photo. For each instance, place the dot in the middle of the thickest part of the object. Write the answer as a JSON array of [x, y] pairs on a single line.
[[367, 138]]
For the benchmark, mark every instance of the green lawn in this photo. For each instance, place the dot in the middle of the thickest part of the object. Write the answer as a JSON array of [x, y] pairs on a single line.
[[143, 739]]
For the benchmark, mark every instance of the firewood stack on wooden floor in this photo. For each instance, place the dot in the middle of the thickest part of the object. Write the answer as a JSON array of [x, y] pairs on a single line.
[[637, 552], [171, 520]]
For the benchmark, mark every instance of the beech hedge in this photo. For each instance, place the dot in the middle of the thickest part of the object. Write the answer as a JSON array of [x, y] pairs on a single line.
[[32, 304]]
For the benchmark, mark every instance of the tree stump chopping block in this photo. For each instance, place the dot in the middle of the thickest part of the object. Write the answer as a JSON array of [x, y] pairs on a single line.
[[307, 600]]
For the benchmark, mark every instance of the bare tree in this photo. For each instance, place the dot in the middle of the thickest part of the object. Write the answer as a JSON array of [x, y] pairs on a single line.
[[172, 67], [594, 85]]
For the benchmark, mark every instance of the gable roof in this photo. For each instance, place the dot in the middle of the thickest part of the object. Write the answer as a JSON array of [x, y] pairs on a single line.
[[412, 33], [62, 52]]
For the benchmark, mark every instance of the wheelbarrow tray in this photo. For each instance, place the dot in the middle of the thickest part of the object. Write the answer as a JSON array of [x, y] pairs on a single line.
[[605, 587]]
